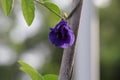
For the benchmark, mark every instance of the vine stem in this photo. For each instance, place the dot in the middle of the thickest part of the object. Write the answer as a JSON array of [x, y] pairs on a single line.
[[66, 68], [42, 3]]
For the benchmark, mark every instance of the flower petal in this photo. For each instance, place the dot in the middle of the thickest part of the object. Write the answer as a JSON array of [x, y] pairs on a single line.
[[62, 36]]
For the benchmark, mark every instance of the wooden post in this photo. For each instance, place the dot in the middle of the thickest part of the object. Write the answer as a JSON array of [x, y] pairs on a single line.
[[68, 54]]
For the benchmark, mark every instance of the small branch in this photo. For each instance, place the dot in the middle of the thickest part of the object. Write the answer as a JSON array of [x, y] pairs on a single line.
[[50, 9], [68, 54]]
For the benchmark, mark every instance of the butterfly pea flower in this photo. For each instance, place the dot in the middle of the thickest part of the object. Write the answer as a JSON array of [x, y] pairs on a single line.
[[61, 35]]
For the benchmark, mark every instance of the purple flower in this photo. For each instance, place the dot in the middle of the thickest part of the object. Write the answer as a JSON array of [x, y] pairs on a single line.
[[61, 36]]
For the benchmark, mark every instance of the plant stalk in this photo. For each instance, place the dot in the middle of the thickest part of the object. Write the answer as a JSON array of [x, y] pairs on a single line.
[[42, 3], [68, 54]]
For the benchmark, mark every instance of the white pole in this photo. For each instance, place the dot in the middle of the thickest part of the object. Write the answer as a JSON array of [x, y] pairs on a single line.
[[87, 49]]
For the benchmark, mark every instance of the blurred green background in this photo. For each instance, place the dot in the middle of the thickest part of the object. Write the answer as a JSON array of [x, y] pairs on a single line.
[[31, 44], [110, 41]]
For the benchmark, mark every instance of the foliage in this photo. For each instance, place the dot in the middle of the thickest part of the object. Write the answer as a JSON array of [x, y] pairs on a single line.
[[7, 6], [53, 7], [50, 77], [28, 8], [34, 74]]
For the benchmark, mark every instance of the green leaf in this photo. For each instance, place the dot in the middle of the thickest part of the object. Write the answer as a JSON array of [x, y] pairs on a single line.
[[30, 71], [53, 7], [28, 8], [50, 77], [53, 18], [7, 6]]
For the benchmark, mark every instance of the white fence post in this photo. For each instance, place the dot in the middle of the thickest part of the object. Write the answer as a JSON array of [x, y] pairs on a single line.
[[87, 49]]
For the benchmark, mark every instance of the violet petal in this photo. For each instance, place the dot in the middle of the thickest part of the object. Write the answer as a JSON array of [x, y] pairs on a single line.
[[61, 36]]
